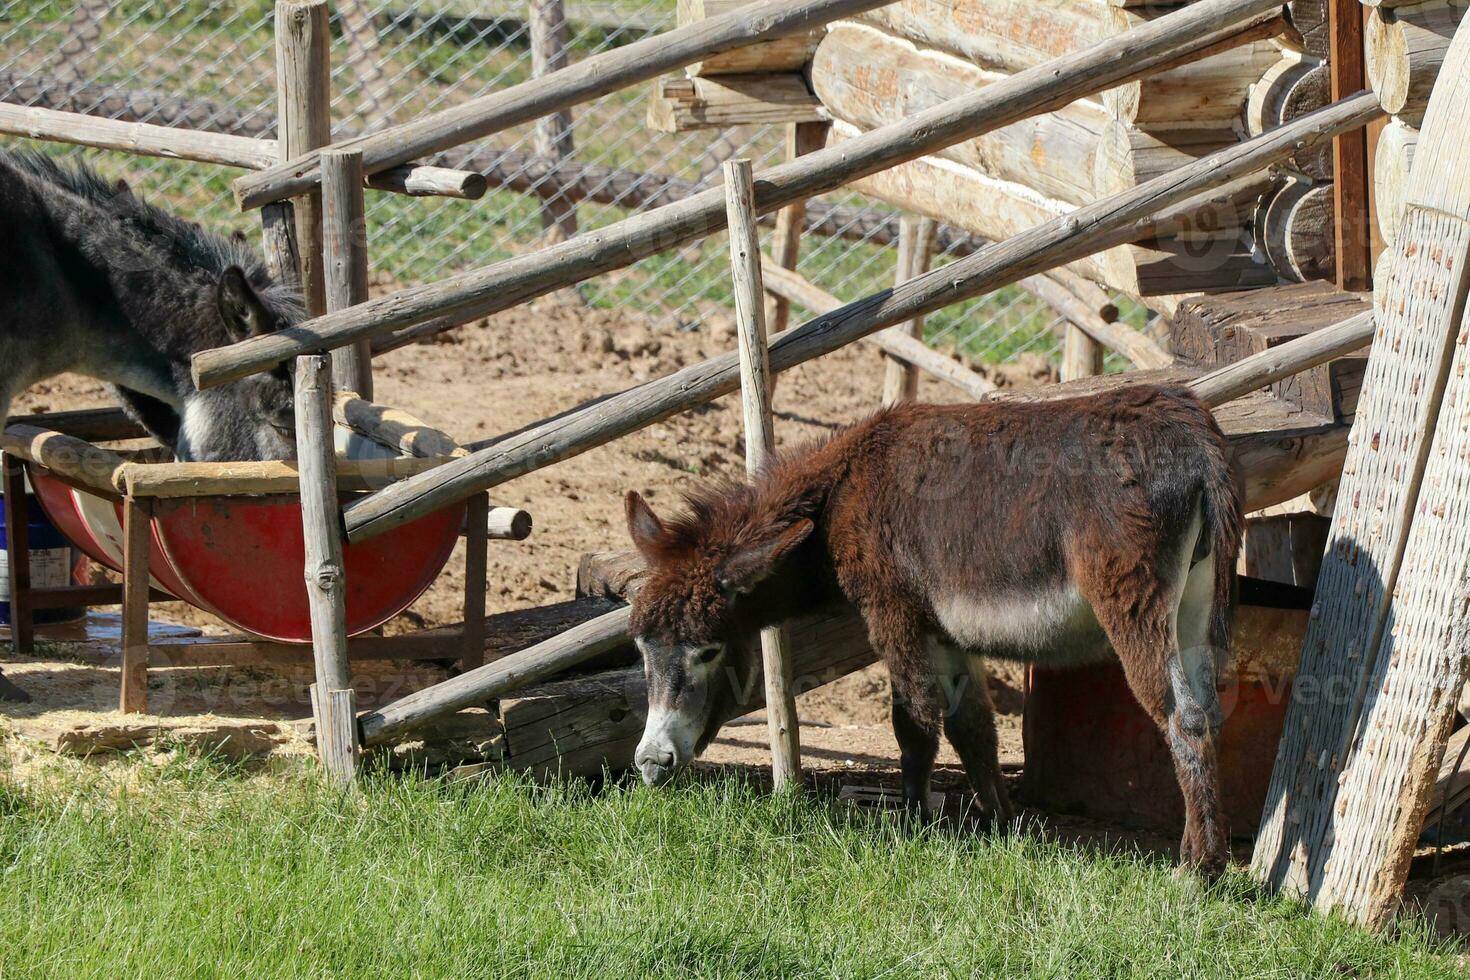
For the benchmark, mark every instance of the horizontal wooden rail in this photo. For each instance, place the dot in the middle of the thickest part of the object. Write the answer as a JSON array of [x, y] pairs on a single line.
[[545, 659], [269, 476], [225, 149], [1205, 26], [589, 78], [1123, 217], [1271, 365], [792, 286], [75, 459]]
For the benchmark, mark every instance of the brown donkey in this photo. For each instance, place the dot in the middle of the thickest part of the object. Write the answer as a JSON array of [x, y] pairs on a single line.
[[1049, 532]]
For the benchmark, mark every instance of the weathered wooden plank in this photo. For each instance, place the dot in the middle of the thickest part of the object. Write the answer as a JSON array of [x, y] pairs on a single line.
[[137, 539], [1031, 252], [1384, 656], [1206, 26], [788, 53], [678, 105]]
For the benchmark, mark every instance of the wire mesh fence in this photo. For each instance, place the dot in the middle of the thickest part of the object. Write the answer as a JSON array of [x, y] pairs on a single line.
[[209, 64]]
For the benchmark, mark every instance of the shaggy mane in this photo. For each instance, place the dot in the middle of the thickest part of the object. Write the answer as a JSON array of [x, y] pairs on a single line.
[[187, 245]]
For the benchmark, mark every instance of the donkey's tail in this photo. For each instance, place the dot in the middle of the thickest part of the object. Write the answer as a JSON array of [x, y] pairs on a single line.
[[1224, 522]]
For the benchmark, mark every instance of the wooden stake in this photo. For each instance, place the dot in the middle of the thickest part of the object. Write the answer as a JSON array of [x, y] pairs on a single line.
[[326, 587], [345, 258], [1123, 218], [760, 446], [915, 250], [1207, 25], [137, 539], [18, 555], [801, 138], [552, 138], [304, 121], [476, 542], [336, 732]]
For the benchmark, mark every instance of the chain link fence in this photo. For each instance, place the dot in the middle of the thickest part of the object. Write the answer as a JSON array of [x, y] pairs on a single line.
[[208, 64]]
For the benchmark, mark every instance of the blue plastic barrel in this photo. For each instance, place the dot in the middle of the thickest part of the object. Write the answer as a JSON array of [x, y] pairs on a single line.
[[53, 563]]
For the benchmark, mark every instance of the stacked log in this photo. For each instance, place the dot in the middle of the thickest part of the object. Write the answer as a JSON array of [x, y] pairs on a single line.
[[1406, 45], [896, 60]]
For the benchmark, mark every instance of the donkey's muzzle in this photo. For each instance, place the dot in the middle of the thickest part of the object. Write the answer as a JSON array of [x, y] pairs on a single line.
[[657, 763]]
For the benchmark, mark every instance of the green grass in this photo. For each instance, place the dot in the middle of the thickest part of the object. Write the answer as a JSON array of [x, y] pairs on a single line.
[[197, 870]]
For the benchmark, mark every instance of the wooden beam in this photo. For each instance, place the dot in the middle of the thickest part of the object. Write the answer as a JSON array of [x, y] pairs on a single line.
[[74, 459], [760, 448], [304, 122], [1259, 370], [589, 78], [1349, 151], [680, 105], [225, 149], [17, 555], [1406, 45], [1030, 253], [345, 261], [539, 662], [268, 476], [1203, 26]]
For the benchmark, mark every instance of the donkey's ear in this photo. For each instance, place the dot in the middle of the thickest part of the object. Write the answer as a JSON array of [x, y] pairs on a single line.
[[244, 314], [748, 567], [643, 524]]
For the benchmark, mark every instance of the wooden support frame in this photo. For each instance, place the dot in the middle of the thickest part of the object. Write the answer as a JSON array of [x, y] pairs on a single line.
[[1208, 26], [916, 241], [476, 559], [589, 78], [760, 447]]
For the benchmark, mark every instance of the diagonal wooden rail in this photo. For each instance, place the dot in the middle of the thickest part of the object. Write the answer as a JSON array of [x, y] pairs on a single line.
[[1122, 218], [1187, 34], [588, 79]]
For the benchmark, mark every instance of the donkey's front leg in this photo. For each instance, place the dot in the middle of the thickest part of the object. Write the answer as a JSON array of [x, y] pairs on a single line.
[[969, 724], [893, 632]]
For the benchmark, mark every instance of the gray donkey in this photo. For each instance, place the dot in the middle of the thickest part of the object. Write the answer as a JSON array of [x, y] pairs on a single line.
[[99, 282]]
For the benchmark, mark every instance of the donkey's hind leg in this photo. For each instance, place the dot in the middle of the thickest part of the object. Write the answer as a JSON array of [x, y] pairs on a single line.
[[969, 724], [1172, 686]]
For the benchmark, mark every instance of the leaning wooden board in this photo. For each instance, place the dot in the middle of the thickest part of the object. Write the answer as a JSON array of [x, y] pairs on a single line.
[[1384, 658]]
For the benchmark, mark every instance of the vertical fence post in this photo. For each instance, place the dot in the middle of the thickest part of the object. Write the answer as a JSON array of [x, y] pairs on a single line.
[[17, 554], [304, 122], [333, 701], [476, 541], [801, 139], [345, 261], [760, 441], [553, 135], [916, 238], [1082, 357], [137, 539]]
